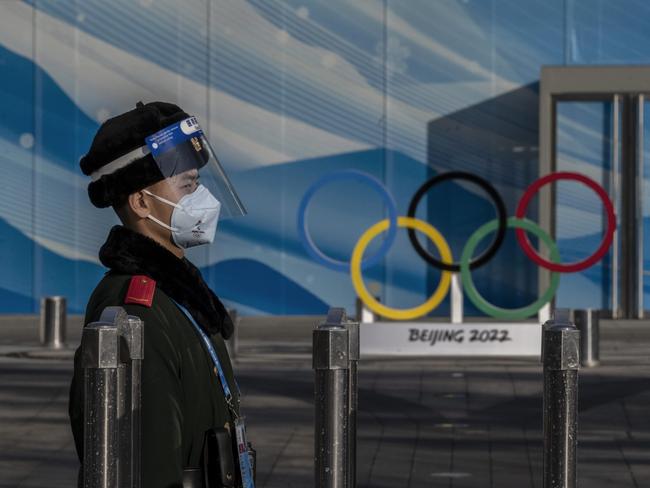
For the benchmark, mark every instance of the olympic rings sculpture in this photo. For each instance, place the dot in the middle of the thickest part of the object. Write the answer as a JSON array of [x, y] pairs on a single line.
[[467, 262]]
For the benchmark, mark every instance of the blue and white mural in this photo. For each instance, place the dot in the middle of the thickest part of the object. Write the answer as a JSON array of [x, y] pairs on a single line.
[[289, 90]]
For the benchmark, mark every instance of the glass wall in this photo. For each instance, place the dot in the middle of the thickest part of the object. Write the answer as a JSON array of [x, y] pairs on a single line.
[[288, 91], [584, 144]]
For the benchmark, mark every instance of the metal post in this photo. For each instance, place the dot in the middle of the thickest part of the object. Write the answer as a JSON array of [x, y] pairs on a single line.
[[136, 353], [131, 332], [113, 350], [364, 314], [561, 357], [354, 354], [640, 163], [100, 359], [544, 314], [588, 323], [331, 353], [456, 299], [52, 323], [615, 192], [630, 229]]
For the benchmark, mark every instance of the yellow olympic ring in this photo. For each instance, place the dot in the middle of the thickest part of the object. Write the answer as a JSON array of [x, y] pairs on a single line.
[[394, 313]]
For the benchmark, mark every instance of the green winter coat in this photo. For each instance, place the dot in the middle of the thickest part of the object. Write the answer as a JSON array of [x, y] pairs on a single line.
[[181, 395]]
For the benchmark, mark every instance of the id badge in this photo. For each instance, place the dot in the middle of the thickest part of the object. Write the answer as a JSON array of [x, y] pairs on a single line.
[[242, 451]]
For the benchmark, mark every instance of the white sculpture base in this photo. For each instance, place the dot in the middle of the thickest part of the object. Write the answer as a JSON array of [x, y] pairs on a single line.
[[494, 339]]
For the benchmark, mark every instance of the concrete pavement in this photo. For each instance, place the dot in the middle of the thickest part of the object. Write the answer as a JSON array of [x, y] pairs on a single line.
[[427, 422]]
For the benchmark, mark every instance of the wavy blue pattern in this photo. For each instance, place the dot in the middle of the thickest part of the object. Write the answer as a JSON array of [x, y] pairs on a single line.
[[425, 86], [63, 132], [254, 284]]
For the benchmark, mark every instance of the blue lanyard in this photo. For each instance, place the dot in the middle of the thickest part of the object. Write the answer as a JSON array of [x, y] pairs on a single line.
[[215, 359]]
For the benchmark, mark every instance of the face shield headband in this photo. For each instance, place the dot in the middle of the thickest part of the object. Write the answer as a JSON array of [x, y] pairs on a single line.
[[183, 158]]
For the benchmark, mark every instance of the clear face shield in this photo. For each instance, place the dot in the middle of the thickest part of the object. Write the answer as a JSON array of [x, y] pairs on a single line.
[[194, 184], [187, 162]]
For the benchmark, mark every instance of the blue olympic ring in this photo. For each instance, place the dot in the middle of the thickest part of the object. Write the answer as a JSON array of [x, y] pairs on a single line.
[[375, 184]]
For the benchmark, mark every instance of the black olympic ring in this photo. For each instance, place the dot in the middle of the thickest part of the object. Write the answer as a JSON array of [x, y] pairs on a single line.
[[501, 216]]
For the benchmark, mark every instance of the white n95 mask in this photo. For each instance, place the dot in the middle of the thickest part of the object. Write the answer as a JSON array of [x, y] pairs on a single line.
[[194, 218]]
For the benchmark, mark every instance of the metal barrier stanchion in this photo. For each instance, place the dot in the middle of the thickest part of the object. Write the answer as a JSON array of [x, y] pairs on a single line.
[[588, 323], [354, 353], [136, 350], [331, 353], [53, 322], [112, 354], [100, 350], [561, 358]]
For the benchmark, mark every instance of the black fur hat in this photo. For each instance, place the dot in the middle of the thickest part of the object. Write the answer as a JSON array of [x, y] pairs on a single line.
[[119, 136]]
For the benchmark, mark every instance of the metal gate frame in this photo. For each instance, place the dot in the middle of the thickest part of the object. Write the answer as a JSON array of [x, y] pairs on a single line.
[[626, 87]]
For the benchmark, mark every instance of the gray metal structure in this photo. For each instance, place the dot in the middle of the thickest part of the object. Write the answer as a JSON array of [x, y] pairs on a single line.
[[457, 299], [112, 354], [364, 314], [625, 87], [561, 358], [354, 349], [335, 357], [588, 323], [53, 322]]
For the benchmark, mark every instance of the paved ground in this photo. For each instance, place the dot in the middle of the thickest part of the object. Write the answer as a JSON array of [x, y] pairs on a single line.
[[433, 423]]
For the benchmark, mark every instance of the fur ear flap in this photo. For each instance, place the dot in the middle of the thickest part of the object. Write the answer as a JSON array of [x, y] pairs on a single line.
[[116, 186]]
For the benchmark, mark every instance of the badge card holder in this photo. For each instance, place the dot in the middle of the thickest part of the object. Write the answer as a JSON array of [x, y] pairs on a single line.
[[245, 467]]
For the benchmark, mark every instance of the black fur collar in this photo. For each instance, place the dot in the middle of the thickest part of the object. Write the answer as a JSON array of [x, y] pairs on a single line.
[[128, 252]]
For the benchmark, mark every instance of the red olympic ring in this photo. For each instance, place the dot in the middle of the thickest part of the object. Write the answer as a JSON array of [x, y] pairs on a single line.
[[525, 244]]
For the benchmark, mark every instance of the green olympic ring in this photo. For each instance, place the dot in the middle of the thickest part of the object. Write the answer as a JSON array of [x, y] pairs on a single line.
[[468, 284]]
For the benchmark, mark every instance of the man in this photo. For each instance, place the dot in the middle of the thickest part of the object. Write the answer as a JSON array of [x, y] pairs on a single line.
[[154, 166]]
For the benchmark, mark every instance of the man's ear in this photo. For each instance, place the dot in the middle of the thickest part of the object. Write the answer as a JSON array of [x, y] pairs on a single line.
[[138, 204]]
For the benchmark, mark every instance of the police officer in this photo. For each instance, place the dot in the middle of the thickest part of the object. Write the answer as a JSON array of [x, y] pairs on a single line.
[[154, 166]]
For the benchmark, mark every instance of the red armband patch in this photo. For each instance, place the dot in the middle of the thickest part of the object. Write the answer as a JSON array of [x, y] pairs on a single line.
[[141, 290]]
